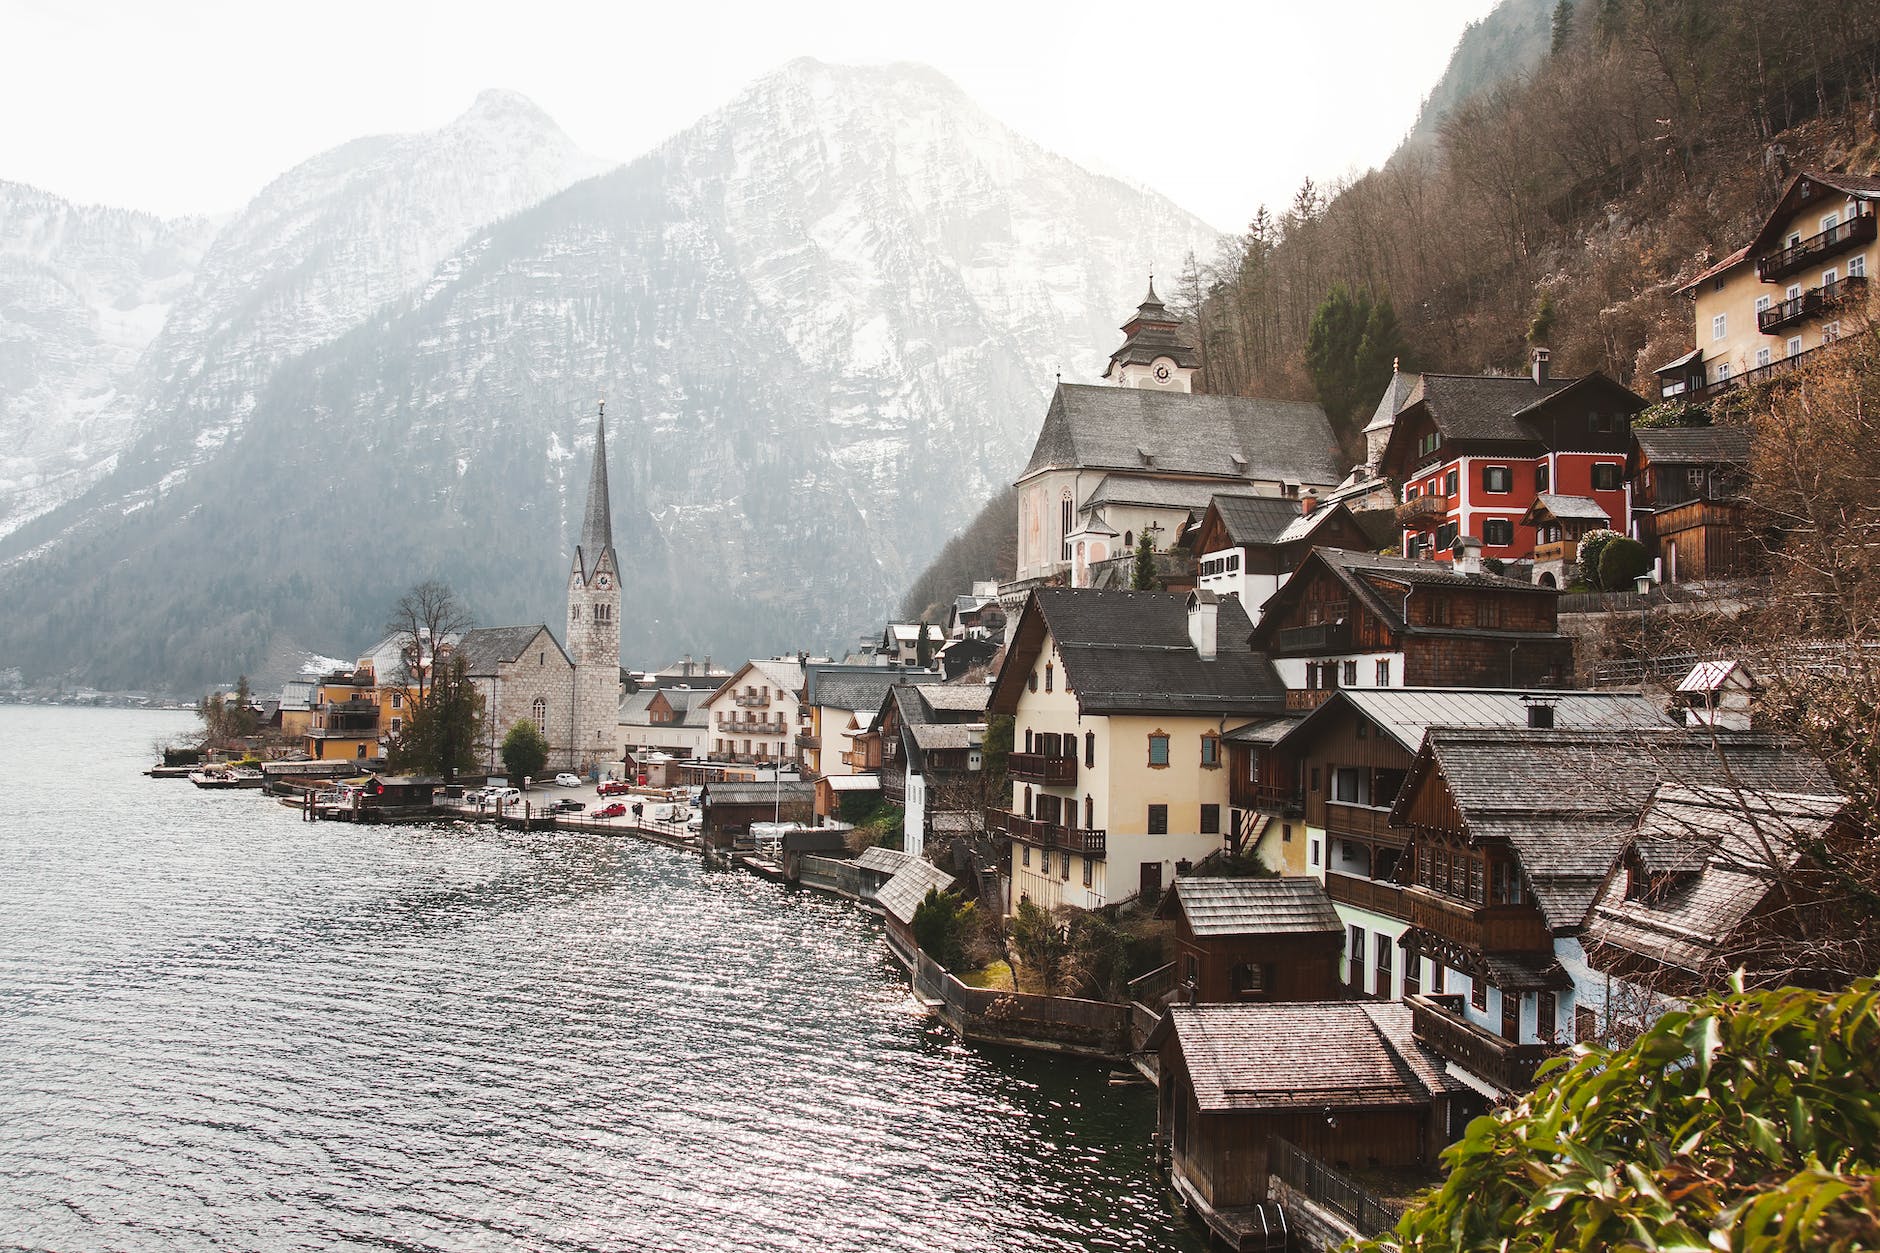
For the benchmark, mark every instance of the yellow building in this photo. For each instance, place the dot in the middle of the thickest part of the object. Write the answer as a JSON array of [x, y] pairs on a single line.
[[1799, 284], [345, 723], [1119, 703]]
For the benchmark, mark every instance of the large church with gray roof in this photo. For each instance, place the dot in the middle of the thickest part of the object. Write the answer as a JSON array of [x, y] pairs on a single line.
[[1145, 451]]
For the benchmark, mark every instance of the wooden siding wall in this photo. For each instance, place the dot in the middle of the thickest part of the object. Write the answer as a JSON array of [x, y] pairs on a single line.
[[1295, 967]]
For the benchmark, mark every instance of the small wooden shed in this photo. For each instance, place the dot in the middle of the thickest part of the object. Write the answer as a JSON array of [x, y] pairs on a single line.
[[1255, 939]]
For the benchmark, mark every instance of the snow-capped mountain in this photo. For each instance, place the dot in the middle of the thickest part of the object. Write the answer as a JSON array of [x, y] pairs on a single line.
[[825, 320], [316, 252], [83, 291]]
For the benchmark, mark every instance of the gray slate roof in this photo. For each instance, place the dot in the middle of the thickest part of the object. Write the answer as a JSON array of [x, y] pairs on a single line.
[[1396, 395], [860, 689], [1578, 508], [883, 860], [956, 697], [1130, 651], [742, 792], [902, 895], [1261, 519], [1266, 731], [1566, 801], [1694, 445], [1293, 1055], [932, 735], [1483, 407], [1289, 906], [1136, 489], [1108, 428], [1356, 570], [1729, 851], [1405, 713], [488, 647]]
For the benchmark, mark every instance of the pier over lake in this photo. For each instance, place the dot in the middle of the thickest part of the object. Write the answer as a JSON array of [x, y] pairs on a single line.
[[221, 1026]]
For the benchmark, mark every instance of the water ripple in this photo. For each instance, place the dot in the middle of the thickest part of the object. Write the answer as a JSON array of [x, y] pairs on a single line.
[[223, 1027]]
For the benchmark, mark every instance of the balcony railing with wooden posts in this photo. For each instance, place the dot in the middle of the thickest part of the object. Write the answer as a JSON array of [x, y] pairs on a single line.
[[1423, 509], [1249, 794], [1558, 550], [1092, 841], [1366, 821], [1372, 894], [1047, 768], [1437, 1021], [1814, 302], [749, 726], [1484, 928], [806, 739], [1307, 698], [1783, 262], [1318, 637]]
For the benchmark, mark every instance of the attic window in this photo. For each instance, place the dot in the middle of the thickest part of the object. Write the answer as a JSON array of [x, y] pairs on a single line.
[[1148, 458]]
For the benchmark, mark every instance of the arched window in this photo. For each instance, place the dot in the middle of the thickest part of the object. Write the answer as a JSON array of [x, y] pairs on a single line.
[[1129, 539], [539, 711]]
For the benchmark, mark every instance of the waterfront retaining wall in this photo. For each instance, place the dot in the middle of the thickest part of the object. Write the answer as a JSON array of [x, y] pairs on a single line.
[[1052, 1024], [830, 874]]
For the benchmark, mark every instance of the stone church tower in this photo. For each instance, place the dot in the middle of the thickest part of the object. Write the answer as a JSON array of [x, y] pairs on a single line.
[[594, 622]]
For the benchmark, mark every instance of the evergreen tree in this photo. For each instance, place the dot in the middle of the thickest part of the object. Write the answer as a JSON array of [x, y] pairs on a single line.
[[1142, 577], [1350, 351], [439, 735], [1563, 26], [525, 751], [923, 646]]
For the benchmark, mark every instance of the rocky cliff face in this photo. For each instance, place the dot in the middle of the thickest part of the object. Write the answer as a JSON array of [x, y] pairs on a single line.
[[825, 319]]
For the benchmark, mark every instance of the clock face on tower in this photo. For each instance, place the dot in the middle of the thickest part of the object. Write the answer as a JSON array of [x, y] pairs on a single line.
[[1161, 371], [603, 582]]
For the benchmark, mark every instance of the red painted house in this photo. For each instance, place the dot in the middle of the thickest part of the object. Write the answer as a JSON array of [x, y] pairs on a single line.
[[1472, 453]]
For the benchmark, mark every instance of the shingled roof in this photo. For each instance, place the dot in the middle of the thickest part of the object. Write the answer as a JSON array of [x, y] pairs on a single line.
[[484, 649], [1252, 520], [1218, 906], [1230, 438], [1362, 572], [857, 688], [1694, 445], [1130, 652], [1568, 830], [901, 895], [1725, 852], [1405, 713], [1301, 1055]]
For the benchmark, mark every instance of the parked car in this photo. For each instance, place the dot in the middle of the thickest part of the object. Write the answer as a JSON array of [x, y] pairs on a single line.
[[567, 805], [615, 810], [475, 796], [614, 787], [506, 795], [696, 822], [566, 779]]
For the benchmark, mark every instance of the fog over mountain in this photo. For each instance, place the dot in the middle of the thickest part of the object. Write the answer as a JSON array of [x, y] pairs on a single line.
[[825, 319]]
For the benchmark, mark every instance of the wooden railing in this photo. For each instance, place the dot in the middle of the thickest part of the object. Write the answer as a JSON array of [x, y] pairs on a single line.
[[1485, 928], [1093, 841], [1051, 769], [1811, 303], [1319, 637], [1307, 698], [1437, 1021], [807, 740], [1423, 509], [1362, 820], [750, 700], [1785, 261], [1371, 894]]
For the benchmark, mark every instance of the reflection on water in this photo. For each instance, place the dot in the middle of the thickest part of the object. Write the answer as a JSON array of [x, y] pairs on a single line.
[[222, 1026]]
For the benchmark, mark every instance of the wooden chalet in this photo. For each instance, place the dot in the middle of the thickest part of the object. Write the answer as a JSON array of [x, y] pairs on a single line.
[[1355, 619], [1689, 503], [1254, 939], [1512, 835], [1345, 1081], [1715, 880], [1560, 523], [729, 808], [1247, 546]]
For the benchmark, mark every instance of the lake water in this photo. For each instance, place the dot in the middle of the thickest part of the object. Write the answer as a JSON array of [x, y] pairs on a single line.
[[223, 1027]]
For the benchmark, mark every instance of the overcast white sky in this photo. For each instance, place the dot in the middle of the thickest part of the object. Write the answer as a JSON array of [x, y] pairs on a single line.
[[191, 107]]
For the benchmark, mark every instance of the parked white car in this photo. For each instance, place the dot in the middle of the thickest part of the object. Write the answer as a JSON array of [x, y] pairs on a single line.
[[565, 779], [506, 795]]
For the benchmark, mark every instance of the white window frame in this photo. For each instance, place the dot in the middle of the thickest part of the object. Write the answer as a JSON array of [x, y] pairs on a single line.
[[1762, 357], [1723, 371], [1857, 265], [1762, 304], [1830, 276], [1830, 331], [1830, 221], [1719, 326], [1794, 347]]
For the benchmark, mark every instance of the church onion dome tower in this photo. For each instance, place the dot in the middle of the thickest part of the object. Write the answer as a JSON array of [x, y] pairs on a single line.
[[1154, 354], [594, 618]]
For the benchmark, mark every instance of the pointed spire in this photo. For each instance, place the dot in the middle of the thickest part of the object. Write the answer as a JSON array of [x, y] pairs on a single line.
[[597, 524], [1150, 298]]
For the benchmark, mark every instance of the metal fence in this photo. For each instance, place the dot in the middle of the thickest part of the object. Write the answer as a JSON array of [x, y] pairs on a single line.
[[1324, 1186]]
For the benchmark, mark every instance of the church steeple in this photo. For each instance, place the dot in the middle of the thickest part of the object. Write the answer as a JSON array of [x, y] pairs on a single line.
[[1154, 354], [597, 523]]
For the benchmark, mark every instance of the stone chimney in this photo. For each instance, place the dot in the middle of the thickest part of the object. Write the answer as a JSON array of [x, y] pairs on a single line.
[[1308, 501], [1467, 555], [1203, 608], [1540, 366]]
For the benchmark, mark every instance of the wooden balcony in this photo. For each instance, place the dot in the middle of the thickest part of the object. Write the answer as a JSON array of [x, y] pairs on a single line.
[[1567, 550], [1041, 768], [1437, 1021], [1484, 928], [750, 700], [1363, 821], [1244, 794], [1422, 510], [1320, 637], [1307, 698], [1813, 303], [1783, 262], [1378, 897], [806, 740], [1091, 841]]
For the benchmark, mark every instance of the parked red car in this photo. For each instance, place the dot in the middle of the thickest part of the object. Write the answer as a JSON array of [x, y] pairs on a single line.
[[614, 787], [615, 810]]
